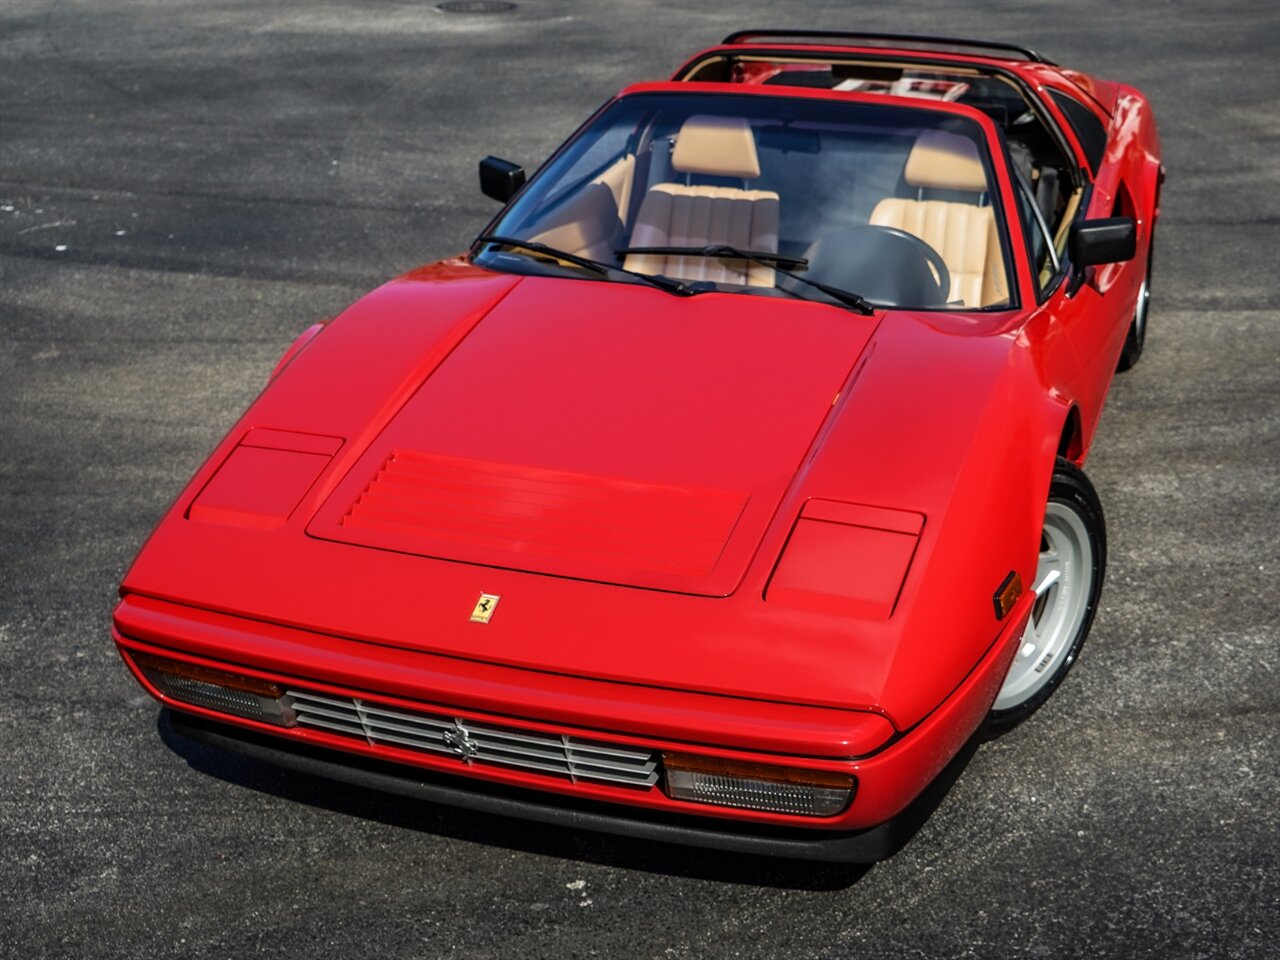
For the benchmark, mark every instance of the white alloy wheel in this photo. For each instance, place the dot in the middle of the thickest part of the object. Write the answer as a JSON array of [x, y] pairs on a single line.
[[1067, 586], [1063, 586], [1140, 313], [1136, 338]]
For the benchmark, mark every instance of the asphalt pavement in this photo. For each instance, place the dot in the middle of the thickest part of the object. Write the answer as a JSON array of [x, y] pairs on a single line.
[[185, 185]]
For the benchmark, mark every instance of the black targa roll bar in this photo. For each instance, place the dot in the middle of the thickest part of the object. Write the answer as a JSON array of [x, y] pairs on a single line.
[[740, 36]]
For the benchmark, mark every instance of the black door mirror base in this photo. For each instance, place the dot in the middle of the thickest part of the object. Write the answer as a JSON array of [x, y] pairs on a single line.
[[1095, 242], [500, 179]]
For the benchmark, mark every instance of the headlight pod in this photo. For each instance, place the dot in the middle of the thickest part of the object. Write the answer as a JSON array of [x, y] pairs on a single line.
[[846, 559], [263, 479]]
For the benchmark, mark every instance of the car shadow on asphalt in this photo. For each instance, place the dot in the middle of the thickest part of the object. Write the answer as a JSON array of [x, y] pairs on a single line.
[[507, 832]]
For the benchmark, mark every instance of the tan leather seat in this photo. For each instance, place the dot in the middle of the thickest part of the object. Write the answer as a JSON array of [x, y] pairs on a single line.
[[590, 223], [964, 234], [680, 215], [587, 225]]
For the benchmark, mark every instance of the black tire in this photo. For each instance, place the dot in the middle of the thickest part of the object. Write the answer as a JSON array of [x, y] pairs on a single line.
[[1065, 612], [1137, 336]]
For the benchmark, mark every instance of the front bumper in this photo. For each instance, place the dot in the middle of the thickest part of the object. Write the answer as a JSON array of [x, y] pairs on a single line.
[[854, 846], [892, 768]]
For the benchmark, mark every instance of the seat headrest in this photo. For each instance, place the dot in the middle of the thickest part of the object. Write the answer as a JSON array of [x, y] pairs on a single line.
[[721, 146], [945, 161]]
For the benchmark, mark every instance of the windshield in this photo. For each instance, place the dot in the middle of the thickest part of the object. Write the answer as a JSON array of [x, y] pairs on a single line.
[[889, 203]]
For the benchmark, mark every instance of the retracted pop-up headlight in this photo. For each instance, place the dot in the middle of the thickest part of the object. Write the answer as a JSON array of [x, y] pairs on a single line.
[[846, 559]]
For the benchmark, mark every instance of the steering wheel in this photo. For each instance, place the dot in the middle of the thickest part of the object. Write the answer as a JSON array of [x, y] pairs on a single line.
[[936, 263], [888, 266]]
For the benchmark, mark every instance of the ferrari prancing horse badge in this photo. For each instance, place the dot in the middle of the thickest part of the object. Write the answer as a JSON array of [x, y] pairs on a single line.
[[484, 607]]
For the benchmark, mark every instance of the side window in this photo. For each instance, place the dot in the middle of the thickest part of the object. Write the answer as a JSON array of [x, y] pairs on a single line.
[[1087, 127]]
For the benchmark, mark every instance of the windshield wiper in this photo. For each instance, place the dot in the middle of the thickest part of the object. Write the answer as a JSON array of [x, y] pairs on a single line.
[[595, 266], [776, 261], [720, 250]]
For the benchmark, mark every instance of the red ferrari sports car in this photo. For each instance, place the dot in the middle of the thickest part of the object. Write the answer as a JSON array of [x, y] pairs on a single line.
[[726, 491]]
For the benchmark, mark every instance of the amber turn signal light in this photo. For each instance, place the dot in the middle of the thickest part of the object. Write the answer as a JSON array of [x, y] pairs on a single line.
[[1007, 594], [757, 786], [219, 690]]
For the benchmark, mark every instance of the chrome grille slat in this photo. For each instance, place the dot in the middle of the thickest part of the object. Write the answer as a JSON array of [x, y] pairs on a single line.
[[616, 778], [474, 742], [430, 733], [521, 757], [344, 704], [646, 767], [403, 717], [350, 715], [416, 742], [484, 731], [526, 764], [582, 748], [352, 728], [545, 753]]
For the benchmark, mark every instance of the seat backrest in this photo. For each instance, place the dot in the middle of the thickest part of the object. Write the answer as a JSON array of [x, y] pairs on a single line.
[[716, 146], [683, 215], [964, 234], [965, 237]]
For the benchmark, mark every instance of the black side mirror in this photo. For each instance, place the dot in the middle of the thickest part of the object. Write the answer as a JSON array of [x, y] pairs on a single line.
[[500, 179], [1111, 240]]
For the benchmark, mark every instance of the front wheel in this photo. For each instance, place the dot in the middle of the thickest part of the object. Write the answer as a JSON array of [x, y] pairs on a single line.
[[1068, 582], [1136, 339]]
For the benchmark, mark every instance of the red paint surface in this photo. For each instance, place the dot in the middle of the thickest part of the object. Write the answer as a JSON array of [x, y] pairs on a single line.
[[257, 488], [838, 568], [653, 435], [626, 470], [533, 518], [809, 738]]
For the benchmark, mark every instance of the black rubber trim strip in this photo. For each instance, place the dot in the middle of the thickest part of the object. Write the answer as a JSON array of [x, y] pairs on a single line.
[[865, 846]]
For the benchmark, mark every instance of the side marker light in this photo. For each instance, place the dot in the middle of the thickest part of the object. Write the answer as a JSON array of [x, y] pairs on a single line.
[[1007, 594]]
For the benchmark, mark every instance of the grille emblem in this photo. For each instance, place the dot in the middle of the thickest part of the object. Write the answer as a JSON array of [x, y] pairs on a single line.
[[484, 607], [459, 741]]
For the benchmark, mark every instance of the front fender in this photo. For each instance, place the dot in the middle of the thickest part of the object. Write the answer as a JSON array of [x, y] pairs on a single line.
[[960, 427], [299, 344]]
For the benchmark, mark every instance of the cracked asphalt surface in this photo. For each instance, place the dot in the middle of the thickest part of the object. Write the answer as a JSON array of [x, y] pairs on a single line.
[[185, 185]]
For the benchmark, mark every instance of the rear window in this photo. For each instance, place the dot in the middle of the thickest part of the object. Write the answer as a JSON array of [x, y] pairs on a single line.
[[1086, 126]]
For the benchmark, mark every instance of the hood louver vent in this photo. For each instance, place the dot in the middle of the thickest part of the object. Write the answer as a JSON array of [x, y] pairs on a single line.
[[433, 504]]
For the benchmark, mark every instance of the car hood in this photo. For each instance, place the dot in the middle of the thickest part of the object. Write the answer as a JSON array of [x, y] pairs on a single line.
[[601, 431], [547, 441], [569, 433]]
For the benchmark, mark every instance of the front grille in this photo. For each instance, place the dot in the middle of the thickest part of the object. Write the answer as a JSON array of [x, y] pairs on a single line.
[[476, 742]]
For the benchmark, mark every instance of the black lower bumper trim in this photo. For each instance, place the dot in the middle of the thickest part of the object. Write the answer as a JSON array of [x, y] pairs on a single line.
[[864, 846]]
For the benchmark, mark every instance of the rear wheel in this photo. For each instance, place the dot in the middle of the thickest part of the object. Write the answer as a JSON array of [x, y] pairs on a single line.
[[1068, 581], [1137, 337]]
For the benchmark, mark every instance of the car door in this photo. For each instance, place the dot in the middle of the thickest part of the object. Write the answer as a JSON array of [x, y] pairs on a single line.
[[1076, 319]]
